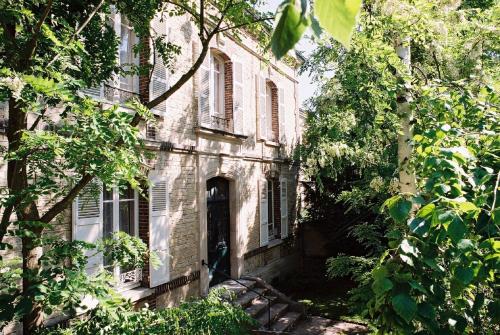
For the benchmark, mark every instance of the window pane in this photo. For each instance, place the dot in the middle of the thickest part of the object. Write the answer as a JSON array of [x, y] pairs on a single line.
[[269, 110], [107, 224], [107, 219], [127, 217], [270, 205], [127, 193], [107, 194]]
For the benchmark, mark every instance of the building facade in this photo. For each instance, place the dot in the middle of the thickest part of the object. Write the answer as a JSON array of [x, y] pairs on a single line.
[[223, 185]]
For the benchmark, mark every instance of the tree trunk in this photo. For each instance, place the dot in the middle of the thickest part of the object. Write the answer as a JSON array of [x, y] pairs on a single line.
[[407, 182], [17, 181]]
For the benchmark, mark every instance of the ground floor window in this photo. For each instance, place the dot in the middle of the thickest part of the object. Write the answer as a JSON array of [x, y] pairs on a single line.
[[273, 209], [120, 214]]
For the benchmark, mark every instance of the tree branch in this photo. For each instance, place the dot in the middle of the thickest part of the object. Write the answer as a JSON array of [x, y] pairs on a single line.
[[437, 64], [65, 201], [80, 29], [38, 119], [202, 19], [184, 78], [30, 48], [244, 24]]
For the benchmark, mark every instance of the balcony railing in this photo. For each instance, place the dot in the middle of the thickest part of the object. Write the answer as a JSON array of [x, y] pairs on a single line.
[[117, 94], [111, 93], [221, 123], [129, 278]]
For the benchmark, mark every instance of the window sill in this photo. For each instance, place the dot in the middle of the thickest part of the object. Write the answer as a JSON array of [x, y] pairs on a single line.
[[217, 132], [271, 143], [137, 293], [274, 243]]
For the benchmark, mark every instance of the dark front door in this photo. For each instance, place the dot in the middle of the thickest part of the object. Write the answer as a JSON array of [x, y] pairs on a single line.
[[218, 229]]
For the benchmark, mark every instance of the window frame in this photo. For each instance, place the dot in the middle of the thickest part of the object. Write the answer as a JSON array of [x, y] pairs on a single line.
[[217, 92], [131, 81], [270, 215], [115, 201]]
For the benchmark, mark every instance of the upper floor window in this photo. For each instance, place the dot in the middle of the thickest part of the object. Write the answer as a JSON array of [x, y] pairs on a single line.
[[125, 84], [128, 59], [218, 83], [271, 109], [221, 93]]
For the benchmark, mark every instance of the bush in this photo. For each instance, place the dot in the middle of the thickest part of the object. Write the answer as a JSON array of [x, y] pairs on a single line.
[[211, 315]]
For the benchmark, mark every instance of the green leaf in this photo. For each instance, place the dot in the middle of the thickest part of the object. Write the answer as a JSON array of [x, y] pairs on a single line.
[[465, 275], [381, 283], [426, 210], [405, 306], [399, 208], [426, 310], [457, 229], [419, 226], [290, 28], [338, 17], [494, 311]]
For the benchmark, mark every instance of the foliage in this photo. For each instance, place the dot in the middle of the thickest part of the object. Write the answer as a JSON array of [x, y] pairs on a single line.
[[62, 281], [60, 141], [337, 17], [210, 315], [440, 273], [350, 151]]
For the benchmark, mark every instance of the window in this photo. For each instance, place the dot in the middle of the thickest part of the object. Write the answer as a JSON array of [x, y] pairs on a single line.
[[151, 131], [218, 83], [120, 214], [220, 93], [127, 57], [273, 209], [268, 109], [270, 211]]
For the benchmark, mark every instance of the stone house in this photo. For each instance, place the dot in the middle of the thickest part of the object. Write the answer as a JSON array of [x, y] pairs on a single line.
[[223, 186]]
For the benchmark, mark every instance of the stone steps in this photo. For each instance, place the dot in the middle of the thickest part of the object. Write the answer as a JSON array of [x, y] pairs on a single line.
[[286, 322], [246, 299], [284, 313], [277, 310], [259, 305]]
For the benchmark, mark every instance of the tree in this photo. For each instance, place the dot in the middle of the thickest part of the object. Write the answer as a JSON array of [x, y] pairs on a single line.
[[50, 50], [352, 139]]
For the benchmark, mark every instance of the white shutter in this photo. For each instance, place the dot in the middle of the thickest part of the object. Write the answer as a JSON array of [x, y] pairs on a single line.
[[204, 94], [264, 229], [94, 92], [284, 207], [262, 107], [281, 114], [159, 76], [159, 230], [238, 97], [87, 222]]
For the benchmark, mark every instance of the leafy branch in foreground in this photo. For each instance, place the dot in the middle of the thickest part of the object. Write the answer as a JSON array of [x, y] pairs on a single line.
[[440, 274]]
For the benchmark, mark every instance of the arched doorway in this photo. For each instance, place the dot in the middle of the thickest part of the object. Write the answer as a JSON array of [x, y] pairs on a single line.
[[218, 230]]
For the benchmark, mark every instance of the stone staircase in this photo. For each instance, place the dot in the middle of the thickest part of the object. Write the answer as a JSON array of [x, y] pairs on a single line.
[[255, 295]]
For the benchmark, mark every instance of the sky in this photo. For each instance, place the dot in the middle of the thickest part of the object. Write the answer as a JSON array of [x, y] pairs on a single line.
[[306, 87]]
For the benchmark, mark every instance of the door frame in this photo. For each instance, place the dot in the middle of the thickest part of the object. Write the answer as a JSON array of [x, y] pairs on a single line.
[[236, 255], [227, 222]]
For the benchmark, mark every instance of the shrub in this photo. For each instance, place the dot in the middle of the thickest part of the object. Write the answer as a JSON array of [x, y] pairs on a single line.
[[212, 315]]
